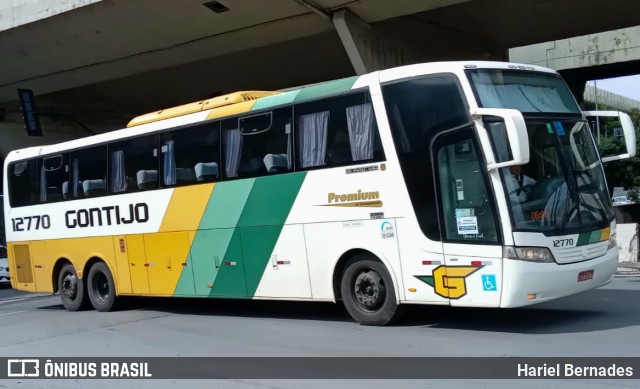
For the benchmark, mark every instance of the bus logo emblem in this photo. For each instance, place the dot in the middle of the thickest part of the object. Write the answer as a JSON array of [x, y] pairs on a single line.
[[449, 281]]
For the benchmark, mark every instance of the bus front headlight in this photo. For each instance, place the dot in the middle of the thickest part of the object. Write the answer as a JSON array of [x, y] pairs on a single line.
[[532, 254]]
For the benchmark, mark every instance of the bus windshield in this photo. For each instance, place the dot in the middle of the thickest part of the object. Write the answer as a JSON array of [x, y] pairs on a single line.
[[526, 91], [562, 189]]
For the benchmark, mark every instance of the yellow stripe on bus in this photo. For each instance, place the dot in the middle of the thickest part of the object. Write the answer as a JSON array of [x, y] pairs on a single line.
[[186, 208]]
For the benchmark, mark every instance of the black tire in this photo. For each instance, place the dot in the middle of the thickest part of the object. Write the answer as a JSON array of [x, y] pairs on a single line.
[[72, 290], [367, 291], [101, 288]]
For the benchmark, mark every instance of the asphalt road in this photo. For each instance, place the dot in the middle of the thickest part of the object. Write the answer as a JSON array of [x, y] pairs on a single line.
[[603, 322], [7, 293]]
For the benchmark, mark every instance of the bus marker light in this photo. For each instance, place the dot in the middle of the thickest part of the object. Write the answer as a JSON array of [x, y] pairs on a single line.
[[146, 265], [184, 264], [426, 262], [209, 286], [480, 263], [412, 289], [531, 296], [431, 262], [283, 262]]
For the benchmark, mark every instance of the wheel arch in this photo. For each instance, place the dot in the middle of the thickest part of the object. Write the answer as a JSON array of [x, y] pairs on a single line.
[[341, 264], [57, 267]]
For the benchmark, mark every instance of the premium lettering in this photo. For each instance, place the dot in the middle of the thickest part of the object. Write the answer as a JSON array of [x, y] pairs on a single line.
[[107, 216], [333, 197]]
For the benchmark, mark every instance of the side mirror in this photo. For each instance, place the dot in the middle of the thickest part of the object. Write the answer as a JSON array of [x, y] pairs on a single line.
[[511, 124], [623, 129]]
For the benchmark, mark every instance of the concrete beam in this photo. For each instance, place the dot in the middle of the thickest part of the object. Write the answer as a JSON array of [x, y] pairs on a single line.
[[600, 49], [367, 49], [14, 13]]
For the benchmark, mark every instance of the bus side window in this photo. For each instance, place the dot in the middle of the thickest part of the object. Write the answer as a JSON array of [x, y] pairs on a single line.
[[133, 165], [190, 155], [337, 131], [88, 173], [22, 183], [54, 171], [257, 144], [418, 109]]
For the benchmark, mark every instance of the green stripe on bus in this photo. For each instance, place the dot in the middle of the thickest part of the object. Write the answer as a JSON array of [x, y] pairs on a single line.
[[264, 214], [226, 204], [326, 89], [275, 100], [586, 238], [210, 245], [238, 232]]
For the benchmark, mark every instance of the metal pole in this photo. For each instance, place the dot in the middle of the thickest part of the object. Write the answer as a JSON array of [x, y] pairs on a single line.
[[595, 87]]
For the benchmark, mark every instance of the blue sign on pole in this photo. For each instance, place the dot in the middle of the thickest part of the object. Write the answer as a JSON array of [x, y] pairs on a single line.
[[29, 112]]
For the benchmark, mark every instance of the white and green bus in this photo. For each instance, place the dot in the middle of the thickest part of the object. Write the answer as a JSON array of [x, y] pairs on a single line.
[[471, 184]]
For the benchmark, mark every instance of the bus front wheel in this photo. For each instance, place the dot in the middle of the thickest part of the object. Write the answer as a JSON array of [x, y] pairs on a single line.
[[367, 291], [71, 289], [100, 286]]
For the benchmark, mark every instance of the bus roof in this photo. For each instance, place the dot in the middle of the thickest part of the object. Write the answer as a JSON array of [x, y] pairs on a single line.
[[327, 87], [245, 101]]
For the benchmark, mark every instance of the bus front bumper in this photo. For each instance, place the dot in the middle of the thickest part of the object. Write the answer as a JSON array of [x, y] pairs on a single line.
[[527, 283]]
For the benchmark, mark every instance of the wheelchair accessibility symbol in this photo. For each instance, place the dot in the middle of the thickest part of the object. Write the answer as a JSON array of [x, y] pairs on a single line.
[[489, 282]]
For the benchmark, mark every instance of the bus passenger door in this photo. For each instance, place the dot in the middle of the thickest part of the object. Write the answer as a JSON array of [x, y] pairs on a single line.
[[472, 247]]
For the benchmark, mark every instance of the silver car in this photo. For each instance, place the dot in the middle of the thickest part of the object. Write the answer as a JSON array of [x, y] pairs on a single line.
[[5, 279]]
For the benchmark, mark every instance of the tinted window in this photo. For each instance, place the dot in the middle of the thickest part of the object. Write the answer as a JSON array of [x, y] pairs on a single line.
[[522, 90], [88, 173], [257, 145], [54, 172], [191, 155], [133, 165], [337, 131], [418, 110], [22, 183], [467, 204]]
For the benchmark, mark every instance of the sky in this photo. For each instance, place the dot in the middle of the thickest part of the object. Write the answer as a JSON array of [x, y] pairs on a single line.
[[625, 86]]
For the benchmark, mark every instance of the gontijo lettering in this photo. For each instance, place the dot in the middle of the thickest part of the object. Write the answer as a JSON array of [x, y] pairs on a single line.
[[108, 215]]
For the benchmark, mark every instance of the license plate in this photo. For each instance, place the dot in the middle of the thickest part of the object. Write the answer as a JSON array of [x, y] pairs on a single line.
[[585, 275]]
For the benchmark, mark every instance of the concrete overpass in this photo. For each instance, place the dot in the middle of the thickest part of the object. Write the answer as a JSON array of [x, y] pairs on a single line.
[[580, 59], [612, 100], [104, 61]]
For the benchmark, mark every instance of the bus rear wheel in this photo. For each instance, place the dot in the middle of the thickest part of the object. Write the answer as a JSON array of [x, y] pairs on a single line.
[[367, 291], [101, 288], [71, 289]]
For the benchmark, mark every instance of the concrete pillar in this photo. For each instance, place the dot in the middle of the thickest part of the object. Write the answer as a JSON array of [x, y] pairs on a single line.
[[367, 49]]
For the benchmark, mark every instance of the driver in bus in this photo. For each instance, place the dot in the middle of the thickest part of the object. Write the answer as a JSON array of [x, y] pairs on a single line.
[[518, 184]]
